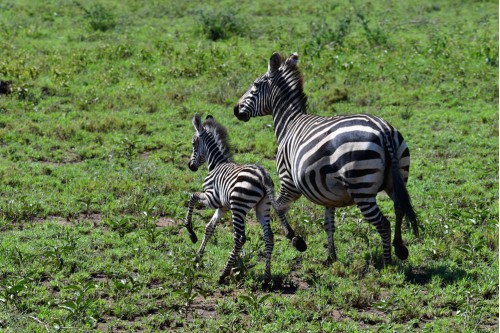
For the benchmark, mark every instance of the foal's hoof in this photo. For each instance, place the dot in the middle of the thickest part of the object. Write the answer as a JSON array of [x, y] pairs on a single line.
[[299, 243], [401, 251], [222, 280]]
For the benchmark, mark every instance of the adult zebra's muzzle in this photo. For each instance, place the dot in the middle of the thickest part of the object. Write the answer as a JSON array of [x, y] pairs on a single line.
[[243, 116], [192, 166]]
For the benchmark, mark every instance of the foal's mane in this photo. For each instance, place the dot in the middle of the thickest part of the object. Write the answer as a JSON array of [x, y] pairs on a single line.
[[220, 135]]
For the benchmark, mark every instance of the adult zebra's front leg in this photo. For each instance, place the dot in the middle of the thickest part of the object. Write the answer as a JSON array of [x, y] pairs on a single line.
[[282, 204]]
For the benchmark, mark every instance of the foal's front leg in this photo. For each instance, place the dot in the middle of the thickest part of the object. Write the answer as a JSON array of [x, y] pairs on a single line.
[[188, 223], [209, 230], [195, 197]]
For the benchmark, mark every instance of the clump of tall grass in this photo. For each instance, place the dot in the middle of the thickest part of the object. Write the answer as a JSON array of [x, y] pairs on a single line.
[[99, 17], [221, 24]]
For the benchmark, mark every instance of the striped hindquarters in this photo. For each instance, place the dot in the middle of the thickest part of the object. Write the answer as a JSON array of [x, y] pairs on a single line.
[[237, 186], [334, 160]]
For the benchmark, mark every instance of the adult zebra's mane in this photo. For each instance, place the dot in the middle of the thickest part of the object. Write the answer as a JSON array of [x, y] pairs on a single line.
[[220, 135], [291, 78]]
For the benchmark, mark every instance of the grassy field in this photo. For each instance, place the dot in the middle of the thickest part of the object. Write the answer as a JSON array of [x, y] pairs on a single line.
[[96, 101]]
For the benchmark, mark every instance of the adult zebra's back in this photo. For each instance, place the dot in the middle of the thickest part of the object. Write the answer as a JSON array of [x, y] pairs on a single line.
[[333, 161]]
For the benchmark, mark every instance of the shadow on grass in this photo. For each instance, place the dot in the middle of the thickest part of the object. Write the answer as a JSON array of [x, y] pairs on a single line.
[[424, 275], [279, 285]]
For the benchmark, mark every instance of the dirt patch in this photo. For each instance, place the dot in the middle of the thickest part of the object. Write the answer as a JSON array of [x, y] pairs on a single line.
[[167, 222]]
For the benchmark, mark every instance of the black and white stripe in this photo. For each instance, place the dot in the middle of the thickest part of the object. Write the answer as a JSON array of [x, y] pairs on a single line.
[[333, 161], [234, 187]]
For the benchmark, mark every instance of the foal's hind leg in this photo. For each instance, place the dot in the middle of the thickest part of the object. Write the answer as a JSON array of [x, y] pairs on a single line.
[[239, 239], [262, 212], [372, 214]]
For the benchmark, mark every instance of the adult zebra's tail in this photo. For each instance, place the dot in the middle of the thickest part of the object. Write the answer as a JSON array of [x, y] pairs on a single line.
[[401, 196], [297, 241]]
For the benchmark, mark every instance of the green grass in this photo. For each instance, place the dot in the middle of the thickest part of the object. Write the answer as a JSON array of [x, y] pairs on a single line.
[[95, 135]]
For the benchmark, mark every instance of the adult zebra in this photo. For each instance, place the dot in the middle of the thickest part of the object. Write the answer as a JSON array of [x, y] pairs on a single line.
[[333, 161], [230, 186]]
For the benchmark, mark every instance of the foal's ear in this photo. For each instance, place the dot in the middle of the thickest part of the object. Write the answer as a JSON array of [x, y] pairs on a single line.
[[274, 62], [197, 123], [209, 117]]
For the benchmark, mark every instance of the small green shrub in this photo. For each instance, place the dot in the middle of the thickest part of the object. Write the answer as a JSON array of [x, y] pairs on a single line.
[[99, 17], [322, 35], [217, 25], [375, 37]]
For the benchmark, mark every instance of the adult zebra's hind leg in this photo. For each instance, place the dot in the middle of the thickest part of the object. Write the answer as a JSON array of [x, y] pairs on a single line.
[[372, 214], [262, 212], [400, 249], [329, 226]]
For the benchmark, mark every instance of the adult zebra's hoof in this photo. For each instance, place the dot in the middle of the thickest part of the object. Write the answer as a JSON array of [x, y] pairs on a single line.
[[299, 243], [193, 237], [401, 251]]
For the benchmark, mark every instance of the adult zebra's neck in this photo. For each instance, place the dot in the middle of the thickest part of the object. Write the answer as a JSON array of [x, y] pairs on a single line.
[[289, 102]]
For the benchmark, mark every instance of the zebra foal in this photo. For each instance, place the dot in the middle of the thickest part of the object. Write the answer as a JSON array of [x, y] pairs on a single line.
[[333, 161], [230, 186]]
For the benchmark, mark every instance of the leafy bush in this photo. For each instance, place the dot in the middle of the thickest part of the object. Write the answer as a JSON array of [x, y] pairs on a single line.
[[217, 25], [375, 37], [99, 17], [322, 34]]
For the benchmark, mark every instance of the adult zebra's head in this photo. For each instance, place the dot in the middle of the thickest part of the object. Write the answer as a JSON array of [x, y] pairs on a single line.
[[210, 141], [260, 98]]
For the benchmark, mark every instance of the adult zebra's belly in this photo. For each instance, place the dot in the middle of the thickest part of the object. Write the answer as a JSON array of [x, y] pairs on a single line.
[[323, 189], [335, 173]]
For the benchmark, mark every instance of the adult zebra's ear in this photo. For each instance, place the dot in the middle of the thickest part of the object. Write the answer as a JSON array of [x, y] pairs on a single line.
[[197, 123], [293, 59], [209, 117], [275, 62]]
